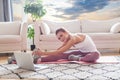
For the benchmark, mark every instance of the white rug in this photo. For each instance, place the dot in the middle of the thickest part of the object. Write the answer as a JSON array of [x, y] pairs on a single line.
[[64, 72]]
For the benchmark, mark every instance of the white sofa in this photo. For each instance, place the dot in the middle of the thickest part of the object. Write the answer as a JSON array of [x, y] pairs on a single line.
[[13, 36], [105, 33]]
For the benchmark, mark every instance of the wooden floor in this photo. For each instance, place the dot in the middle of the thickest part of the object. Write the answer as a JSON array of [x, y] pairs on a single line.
[[3, 59], [104, 52]]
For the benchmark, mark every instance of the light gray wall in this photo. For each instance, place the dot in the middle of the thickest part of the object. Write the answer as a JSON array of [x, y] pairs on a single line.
[[1, 11]]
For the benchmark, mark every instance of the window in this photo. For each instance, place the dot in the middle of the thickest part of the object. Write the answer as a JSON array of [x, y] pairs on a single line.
[[18, 12]]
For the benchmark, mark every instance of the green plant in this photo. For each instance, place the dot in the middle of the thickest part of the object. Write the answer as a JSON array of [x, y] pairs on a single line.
[[35, 8], [30, 33]]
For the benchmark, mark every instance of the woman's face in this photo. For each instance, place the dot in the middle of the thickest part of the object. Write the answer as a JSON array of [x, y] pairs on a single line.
[[62, 36]]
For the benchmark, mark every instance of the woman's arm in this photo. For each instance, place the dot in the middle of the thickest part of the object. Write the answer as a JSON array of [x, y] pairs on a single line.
[[61, 46], [62, 49]]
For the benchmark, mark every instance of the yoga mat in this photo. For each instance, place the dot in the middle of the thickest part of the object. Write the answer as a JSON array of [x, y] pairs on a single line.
[[102, 59]]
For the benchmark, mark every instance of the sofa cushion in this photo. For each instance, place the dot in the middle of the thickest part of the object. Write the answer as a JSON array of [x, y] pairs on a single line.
[[50, 37], [12, 28], [45, 28], [115, 28], [91, 26], [6, 39], [71, 25], [104, 36]]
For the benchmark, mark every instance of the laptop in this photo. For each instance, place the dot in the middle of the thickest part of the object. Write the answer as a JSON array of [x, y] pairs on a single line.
[[25, 60]]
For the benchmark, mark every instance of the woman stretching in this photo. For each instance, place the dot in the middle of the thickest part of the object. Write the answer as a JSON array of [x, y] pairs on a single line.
[[85, 48]]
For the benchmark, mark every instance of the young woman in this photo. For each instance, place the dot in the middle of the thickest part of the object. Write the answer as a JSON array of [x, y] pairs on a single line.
[[85, 48]]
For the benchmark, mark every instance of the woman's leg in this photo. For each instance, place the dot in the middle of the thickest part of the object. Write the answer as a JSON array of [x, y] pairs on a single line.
[[50, 58], [90, 57], [58, 56]]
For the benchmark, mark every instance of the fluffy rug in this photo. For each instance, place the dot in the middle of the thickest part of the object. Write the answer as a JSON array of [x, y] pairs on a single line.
[[81, 71]]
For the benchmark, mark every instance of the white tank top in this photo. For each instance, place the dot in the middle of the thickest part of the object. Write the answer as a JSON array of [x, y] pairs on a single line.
[[87, 45]]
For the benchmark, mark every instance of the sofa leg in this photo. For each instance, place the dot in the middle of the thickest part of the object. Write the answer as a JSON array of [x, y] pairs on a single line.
[[23, 50], [45, 50]]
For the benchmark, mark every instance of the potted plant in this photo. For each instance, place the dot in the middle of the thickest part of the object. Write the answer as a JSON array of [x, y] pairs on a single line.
[[30, 35], [37, 11]]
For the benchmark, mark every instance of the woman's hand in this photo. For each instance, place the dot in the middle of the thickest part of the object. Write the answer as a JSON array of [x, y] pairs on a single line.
[[37, 52]]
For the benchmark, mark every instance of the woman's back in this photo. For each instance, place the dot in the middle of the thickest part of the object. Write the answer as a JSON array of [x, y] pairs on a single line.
[[87, 45]]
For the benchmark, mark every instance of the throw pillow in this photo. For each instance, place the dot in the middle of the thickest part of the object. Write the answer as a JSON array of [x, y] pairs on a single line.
[[115, 28], [45, 28]]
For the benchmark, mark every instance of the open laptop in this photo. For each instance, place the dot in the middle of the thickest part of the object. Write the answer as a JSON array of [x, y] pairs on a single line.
[[25, 61]]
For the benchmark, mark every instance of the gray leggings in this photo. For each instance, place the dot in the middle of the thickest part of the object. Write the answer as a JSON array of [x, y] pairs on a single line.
[[87, 57]]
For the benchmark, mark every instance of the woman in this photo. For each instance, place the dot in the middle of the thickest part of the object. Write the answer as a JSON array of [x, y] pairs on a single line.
[[87, 50]]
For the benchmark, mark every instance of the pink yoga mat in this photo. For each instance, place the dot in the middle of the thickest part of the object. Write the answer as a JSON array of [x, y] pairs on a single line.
[[102, 59]]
